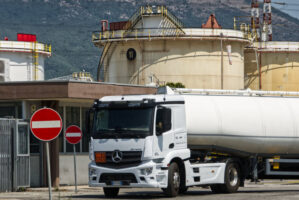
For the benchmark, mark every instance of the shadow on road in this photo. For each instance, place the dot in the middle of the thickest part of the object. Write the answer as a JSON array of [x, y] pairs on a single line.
[[139, 195], [160, 195]]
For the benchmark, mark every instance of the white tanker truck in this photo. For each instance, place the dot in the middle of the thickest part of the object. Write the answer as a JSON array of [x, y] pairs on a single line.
[[176, 140]]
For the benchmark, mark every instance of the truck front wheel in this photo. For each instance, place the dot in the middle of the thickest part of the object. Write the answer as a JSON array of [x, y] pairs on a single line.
[[111, 192], [231, 180], [173, 187]]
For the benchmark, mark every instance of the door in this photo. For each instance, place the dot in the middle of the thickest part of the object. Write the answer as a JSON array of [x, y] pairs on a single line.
[[163, 138], [22, 156]]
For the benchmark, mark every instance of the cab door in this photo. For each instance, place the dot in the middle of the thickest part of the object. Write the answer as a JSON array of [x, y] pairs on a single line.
[[163, 136]]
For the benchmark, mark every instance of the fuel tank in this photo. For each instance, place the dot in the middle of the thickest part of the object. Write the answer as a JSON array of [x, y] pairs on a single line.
[[243, 125]]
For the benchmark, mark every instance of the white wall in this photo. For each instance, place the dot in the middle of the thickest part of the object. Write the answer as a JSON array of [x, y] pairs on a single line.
[[66, 169], [19, 66]]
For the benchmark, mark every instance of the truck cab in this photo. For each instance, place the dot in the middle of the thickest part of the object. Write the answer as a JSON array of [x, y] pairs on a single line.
[[141, 141]]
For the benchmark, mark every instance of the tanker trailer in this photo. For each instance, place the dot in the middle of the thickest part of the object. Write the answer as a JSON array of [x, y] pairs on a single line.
[[174, 140]]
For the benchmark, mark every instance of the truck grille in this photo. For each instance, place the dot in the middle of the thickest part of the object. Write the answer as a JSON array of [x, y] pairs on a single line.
[[129, 159], [126, 178]]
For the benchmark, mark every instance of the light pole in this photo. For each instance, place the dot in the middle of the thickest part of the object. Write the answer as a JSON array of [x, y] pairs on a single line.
[[221, 46]]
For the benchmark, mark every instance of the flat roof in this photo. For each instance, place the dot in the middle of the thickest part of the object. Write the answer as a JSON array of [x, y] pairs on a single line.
[[39, 90]]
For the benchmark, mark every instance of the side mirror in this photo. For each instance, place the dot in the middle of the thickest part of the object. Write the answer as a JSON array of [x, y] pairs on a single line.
[[163, 120]]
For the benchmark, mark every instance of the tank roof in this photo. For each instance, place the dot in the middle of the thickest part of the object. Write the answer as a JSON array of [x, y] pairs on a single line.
[[25, 47]]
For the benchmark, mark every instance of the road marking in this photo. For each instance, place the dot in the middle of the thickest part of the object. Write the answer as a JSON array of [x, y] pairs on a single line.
[[73, 134], [46, 124]]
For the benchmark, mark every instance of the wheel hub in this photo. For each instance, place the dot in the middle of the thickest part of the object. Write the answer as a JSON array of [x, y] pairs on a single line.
[[176, 180], [233, 176]]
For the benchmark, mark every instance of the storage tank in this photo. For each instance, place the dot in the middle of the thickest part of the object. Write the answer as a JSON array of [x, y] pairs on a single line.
[[23, 60], [272, 66], [243, 125], [155, 47]]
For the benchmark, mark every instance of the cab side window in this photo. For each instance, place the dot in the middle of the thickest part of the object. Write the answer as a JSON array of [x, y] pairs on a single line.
[[163, 120]]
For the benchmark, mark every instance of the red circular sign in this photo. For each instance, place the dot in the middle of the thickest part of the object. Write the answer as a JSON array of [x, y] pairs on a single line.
[[73, 134], [45, 124]]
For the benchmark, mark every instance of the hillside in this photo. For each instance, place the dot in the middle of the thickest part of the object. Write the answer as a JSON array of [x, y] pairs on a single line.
[[68, 24]]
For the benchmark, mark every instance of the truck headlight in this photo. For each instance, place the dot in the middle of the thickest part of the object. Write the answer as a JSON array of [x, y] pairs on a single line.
[[146, 171]]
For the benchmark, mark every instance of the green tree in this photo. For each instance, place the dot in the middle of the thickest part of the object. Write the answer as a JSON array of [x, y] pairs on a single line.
[[175, 85]]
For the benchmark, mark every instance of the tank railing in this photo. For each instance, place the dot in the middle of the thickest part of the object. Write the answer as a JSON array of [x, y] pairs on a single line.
[[154, 10], [30, 46], [281, 45], [236, 92], [163, 32]]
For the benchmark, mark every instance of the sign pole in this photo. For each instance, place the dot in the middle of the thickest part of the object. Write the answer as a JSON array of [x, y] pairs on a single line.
[[46, 125], [49, 171], [75, 169], [73, 135]]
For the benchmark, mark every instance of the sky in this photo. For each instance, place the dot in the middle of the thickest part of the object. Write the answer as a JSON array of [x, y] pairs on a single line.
[[291, 7]]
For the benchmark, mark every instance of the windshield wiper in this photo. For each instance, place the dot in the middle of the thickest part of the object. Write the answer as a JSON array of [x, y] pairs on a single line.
[[107, 134], [132, 135]]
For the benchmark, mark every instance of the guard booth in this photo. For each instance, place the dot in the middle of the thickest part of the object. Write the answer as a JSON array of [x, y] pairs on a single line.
[[14, 154]]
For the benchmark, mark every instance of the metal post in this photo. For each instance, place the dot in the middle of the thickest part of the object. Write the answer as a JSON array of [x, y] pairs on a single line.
[[221, 35], [75, 169], [49, 171]]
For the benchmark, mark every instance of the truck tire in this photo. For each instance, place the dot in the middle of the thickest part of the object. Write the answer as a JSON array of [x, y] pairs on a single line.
[[232, 178], [173, 187], [111, 192]]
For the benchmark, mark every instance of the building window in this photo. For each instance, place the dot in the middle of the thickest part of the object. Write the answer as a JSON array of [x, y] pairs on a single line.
[[73, 116], [2, 67], [86, 137]]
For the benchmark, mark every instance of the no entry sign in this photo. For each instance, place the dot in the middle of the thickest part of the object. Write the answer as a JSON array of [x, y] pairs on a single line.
[[45, 124], [73, 134]]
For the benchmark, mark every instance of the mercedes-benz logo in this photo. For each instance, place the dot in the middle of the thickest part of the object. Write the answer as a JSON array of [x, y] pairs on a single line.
[[117, 156]]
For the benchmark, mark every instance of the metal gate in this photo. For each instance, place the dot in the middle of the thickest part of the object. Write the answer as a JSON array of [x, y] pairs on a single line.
[[14, 154], [6, 132]]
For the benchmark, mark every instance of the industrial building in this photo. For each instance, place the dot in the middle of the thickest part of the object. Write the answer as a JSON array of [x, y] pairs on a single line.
[[272, 66], [154, 47]]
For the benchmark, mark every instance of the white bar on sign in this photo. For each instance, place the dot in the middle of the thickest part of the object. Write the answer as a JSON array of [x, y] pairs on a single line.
[[73, 134], [46, 124]]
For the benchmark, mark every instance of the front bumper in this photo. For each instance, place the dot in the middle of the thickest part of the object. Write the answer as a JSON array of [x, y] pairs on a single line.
[[156, 179]]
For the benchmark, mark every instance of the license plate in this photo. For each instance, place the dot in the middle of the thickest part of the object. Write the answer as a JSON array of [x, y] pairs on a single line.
[[116, 183]]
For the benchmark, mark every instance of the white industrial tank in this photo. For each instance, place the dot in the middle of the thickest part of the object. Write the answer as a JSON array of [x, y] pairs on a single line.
[[243, 125]]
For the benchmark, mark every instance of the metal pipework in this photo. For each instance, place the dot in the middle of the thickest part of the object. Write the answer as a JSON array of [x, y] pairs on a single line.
[[236, 92]]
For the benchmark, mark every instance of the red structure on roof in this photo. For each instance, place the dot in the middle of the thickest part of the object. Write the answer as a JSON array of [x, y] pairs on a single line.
[[211, 23], [26, 37]]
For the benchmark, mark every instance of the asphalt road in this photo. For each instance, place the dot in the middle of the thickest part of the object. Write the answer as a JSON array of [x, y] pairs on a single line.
[[286, 190]]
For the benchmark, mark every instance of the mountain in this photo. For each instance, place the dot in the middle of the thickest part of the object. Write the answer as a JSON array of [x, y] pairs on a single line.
[[68, 24]]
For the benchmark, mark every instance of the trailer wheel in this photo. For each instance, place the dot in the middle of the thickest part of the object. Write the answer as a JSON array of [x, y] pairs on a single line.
[[111, 192], [173, 187], [231, 179]]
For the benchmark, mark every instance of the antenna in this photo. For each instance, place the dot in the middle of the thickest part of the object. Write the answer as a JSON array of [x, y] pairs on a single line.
[[267, 21], [255, 19]]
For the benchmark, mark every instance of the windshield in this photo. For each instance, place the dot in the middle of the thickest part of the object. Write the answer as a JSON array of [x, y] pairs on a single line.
[[123, 123]]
